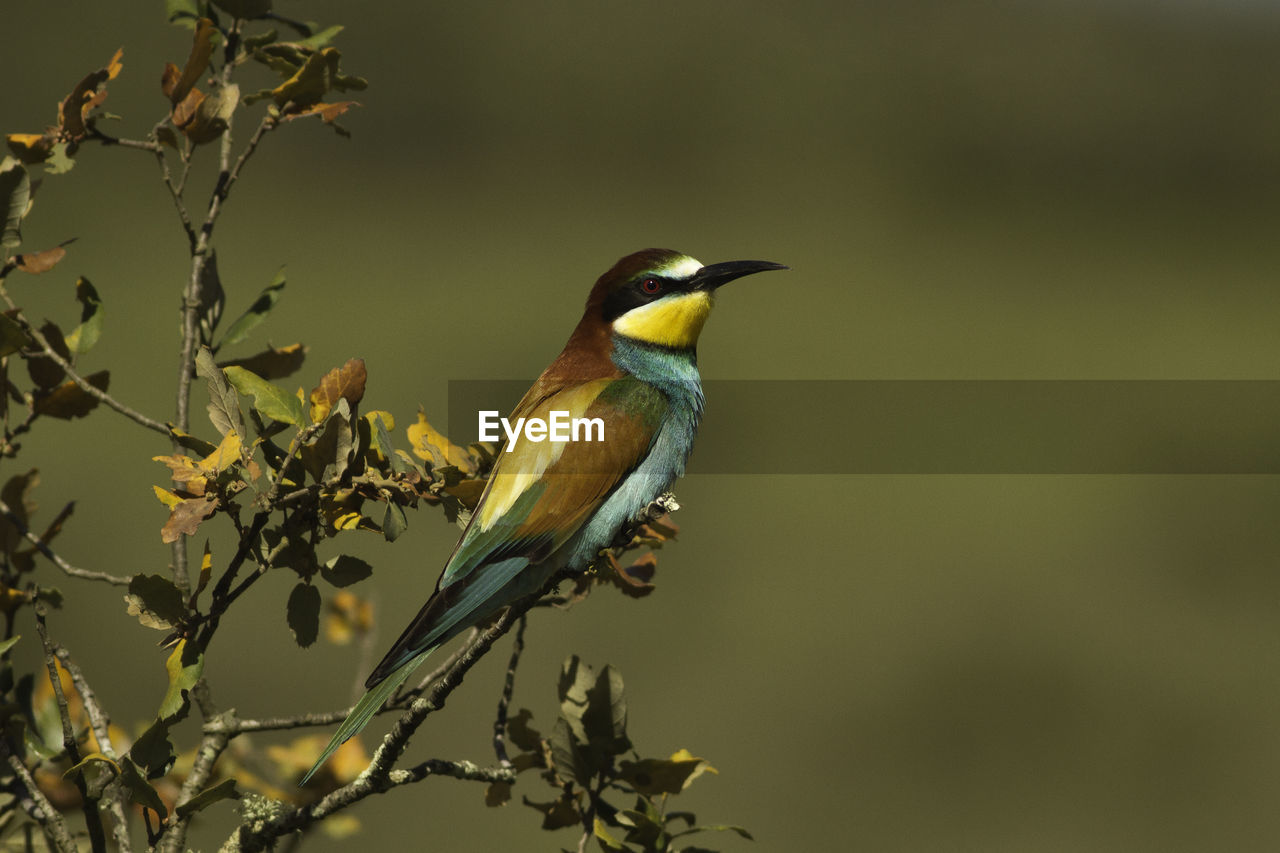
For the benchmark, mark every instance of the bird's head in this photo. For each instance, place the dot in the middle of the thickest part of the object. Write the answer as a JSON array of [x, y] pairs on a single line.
[[662, 297]]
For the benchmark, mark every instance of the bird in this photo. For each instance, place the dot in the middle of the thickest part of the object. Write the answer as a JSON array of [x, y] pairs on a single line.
[[551, 506]]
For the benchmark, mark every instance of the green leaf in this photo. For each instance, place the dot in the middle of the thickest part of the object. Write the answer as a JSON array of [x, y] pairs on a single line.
[[304, 613], [84, 336], [140, 791], [566, 758], [15, 201], [257, 312], [322, 38], [605, 718], [182, 12], [576, 678], [89, 762], [329, 454], [224, 405], [60, 161], [393, 522], [153, 750], [260, 39], [221, 791], [13, 337], [652, 776], [213, 114], [184, 666], [606, 840], [318, 76], [345, 570], [155, 601], [271, 401], [715, 827], [9, 643]]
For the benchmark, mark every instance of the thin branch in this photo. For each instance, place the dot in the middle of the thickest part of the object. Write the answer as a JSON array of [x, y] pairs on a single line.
[[466, 770], [50, 820], [47, 351], [100, 723], [107, 139], [213, 744], [40, 545], [232, 726], [89, 803], [508, 688], [379, 777], [227, 178], [175, 190]]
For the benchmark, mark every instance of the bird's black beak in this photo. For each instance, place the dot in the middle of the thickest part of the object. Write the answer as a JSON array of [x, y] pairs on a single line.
[[713, 275]]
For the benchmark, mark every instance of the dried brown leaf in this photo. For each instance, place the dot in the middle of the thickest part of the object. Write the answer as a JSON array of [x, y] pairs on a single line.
[[186, 517], [346, 382]]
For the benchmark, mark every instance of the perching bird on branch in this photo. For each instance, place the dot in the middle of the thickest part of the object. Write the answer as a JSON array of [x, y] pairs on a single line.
[[550, 506]]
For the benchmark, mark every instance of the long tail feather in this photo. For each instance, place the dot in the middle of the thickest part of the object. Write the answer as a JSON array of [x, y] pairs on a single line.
[[364, 710]]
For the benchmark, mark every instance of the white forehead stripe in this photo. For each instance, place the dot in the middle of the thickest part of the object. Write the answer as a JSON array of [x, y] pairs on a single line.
[[682, 267]]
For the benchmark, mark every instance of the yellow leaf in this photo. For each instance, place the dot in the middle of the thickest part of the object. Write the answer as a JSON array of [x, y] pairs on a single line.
[[187, 475], [682, 755], [347, 521], [167, 497], [430, 445], [347, 615], [227, 454], [206, 568], [30, 148]]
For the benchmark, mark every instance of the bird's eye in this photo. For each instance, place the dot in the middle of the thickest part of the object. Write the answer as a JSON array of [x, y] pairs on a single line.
[[651, 285]]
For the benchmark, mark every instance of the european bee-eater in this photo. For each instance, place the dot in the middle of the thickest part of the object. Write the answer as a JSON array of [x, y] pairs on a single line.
[[552, 506]]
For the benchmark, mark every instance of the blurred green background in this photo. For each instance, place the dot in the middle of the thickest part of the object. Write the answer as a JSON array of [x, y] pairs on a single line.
[[1020, 190]]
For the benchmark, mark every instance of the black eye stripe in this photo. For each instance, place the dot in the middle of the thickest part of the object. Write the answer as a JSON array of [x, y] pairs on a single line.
[[638, 291]]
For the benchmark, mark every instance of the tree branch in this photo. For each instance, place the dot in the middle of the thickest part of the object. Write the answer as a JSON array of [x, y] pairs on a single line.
[[16, 520], [175, 190], [100, 723], [55, 828], [379, 777], [47, 351], [89, 803], [508, 688]]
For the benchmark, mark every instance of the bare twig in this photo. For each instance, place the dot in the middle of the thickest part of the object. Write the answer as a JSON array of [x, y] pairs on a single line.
[[191, 299], [175, 190], [508, 688], [16, 520], [89, 801], [101, 726], [50, 820], [107, 139], [213, 744]]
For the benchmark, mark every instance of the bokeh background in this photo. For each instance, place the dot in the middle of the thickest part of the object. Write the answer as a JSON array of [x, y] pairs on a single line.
[[1023, 190]]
